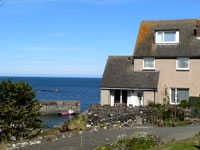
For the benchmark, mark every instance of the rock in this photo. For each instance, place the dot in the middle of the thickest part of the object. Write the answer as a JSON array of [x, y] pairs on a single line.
[[37, 142], [13, 138], [24, 144], [174, 124], [114, 126], [88, 126], [14, 145], [130, 123], [96, 130], [80, 132], [31, 142], [138, 120], [188, 121], [105, 127], [59, 135]]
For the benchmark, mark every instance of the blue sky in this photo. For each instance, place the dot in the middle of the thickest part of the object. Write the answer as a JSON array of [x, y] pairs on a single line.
[[74, 37]]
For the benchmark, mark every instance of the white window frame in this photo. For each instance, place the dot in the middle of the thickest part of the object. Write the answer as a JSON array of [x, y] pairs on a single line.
[[113, 97], [177, 68], [170, 97], [149, 68], [163, 42]]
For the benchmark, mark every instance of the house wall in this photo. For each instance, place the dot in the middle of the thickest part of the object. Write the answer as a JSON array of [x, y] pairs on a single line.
[[105, 97], [148, 96], [171, 78]]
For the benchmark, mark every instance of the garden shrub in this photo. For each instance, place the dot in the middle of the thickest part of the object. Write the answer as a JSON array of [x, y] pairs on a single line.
[[139, 141], [184, 104], [153, 105]]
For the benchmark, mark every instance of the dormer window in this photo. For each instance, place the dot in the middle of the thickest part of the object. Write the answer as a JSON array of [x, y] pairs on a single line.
[[164, 37]]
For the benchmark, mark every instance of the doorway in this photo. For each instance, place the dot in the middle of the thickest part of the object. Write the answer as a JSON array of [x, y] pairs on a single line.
[[120, 97]]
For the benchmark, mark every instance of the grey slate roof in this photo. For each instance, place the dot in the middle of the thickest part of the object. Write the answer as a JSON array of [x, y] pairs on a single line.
[[188, 45], [119, 73]]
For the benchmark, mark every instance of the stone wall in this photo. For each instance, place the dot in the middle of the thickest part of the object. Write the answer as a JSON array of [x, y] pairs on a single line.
[[106, 114], [54, 107]]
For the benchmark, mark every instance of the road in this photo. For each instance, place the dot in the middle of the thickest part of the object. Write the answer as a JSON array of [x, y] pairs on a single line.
[[94, 139]]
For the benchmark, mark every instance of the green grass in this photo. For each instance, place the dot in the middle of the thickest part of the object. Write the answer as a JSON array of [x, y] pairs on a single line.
[[188, 144], [78, 123], [2, 146], [47, 132]]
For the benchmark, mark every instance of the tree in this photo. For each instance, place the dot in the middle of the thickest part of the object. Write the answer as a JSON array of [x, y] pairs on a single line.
[[19, 110]]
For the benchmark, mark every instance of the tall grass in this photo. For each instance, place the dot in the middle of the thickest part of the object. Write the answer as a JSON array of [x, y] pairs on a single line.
[[78, 123]]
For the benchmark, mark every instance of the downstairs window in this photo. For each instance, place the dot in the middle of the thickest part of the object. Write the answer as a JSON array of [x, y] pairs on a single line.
[[178, 94]]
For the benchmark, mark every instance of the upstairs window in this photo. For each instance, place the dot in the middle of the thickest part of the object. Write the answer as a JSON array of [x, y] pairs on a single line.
[[167, 37], [182, 64], [149, 63]]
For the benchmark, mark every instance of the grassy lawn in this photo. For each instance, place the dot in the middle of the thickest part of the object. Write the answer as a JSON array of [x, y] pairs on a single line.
[[188, 144]]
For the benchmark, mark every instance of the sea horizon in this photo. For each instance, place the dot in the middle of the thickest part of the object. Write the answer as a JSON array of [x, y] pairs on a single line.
[[24, 76]]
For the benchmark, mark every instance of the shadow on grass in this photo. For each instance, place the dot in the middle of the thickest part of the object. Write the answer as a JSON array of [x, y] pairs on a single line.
[[197, 146]]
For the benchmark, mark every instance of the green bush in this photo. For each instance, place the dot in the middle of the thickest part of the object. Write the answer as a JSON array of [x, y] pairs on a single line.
[[19, 110], [194, 101], [182, 123], [139, 141], [153, 105], [184, 104], [168, 113]]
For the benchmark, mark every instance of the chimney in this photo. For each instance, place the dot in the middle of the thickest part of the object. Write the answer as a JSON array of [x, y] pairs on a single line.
[[198, 29]]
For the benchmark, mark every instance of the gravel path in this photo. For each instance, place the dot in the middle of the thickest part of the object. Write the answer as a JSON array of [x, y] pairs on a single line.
[[94, 139]]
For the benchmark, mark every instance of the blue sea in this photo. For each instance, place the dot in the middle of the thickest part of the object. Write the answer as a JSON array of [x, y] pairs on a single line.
[[84, 89]]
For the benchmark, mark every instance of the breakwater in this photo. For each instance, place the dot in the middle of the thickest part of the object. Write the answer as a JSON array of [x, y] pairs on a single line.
[[54, 107]]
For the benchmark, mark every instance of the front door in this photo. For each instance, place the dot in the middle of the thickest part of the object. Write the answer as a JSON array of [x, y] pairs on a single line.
[[124, 96], [137, 98]]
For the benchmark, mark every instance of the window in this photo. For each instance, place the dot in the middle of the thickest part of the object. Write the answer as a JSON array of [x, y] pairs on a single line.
[[120, 96], [182, 64], [149, 63], [167, 37], [177, 95]]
